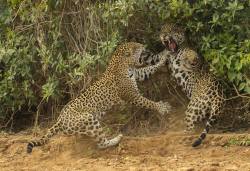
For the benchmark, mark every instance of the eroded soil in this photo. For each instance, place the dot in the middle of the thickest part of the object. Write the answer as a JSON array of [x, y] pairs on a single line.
[[168, 151]]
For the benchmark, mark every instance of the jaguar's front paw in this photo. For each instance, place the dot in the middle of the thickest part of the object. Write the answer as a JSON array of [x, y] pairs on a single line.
[[163, 61], [164, 107]]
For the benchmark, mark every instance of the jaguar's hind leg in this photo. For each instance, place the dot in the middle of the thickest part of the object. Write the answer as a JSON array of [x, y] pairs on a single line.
[[194, 113], [92, 128]]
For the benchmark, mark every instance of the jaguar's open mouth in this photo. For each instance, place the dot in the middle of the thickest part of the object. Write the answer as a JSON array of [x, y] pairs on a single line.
[[170, 44], [194, 62], [191, 65]]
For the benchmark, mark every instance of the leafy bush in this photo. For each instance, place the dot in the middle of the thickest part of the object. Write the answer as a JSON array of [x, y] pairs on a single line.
[[38, 61], [220, 30], [48, 49]]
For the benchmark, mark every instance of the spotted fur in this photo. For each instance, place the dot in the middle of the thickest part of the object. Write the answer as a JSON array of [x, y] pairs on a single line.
[[117, 86], [160, 60], [201, 87]]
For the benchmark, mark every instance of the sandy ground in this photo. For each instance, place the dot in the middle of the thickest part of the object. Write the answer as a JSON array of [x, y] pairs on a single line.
[[165, 150], [168, 151]]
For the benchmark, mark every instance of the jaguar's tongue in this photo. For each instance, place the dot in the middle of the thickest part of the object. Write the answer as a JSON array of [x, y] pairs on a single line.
[[172, 46]]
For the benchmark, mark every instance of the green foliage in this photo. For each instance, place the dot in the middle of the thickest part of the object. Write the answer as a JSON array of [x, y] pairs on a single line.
[[48, 47], [220, 30], [35, 62], [239, 141], [120, 11]]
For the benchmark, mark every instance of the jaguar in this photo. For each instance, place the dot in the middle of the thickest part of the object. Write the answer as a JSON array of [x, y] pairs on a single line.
[[203, 89], [117, 86]]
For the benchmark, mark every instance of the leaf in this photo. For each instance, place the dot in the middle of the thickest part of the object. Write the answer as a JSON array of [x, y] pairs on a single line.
[[231, 75], [238, 65], [242, 86], [247, 89]]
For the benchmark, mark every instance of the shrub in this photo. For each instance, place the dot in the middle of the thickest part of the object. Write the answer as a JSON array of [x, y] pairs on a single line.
[[48, 49], [43, 57]]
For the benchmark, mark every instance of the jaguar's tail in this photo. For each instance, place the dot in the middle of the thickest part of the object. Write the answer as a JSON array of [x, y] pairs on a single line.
[[203, 135], [52, 131]]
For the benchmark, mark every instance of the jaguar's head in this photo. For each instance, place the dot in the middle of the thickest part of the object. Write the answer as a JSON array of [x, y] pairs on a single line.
[[172, 36], [130, 53], [190, 60]]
